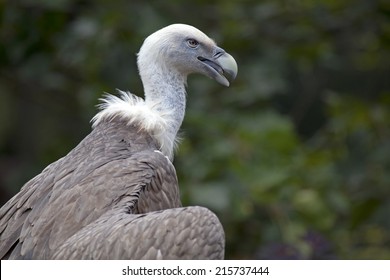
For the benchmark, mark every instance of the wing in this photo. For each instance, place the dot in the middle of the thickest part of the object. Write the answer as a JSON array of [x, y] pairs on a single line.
[[111, 169], [180, 233]]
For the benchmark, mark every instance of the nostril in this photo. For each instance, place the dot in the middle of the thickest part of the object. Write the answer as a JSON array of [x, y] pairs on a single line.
[[218, 52]]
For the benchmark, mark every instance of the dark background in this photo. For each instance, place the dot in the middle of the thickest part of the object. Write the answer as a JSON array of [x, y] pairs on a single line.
[[294, 157]]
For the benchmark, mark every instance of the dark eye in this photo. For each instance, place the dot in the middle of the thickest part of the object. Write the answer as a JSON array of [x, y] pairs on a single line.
[[192, 43]]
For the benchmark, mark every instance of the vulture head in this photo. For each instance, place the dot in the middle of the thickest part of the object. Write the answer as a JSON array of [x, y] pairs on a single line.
[[165, 60], [182, 49]]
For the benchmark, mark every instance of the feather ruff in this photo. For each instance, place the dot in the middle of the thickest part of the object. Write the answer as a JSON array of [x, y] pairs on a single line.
[[135, 111]]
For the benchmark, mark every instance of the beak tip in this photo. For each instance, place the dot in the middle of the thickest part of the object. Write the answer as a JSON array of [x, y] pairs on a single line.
[[229, 66]]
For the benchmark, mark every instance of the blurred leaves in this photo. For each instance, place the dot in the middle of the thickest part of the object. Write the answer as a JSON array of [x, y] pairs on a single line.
[[294, 157]]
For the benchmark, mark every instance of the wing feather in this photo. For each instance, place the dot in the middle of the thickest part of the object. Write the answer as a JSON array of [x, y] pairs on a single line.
[[101, 172], [179, 233]]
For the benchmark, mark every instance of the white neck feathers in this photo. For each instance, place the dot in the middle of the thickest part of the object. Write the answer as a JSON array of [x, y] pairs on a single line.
[[151, 117]]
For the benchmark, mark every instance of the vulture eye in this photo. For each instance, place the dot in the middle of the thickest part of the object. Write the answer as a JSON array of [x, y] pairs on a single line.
[[192, 43]]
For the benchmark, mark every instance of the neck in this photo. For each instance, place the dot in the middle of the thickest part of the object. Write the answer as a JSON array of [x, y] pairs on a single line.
[[160, 114], [165, 93]]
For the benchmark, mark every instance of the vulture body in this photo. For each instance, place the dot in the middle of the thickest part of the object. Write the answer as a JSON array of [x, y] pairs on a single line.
[[116, 195]]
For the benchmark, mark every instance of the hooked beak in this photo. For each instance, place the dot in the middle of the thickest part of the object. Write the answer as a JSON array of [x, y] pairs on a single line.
[[222, 67]]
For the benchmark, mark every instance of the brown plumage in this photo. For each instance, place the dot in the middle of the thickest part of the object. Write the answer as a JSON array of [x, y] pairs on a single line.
[[115, 196]]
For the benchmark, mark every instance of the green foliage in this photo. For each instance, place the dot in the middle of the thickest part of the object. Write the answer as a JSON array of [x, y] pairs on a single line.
[[294, 157]]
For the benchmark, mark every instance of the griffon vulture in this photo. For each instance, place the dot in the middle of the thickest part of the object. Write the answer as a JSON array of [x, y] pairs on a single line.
[[115, 195]]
